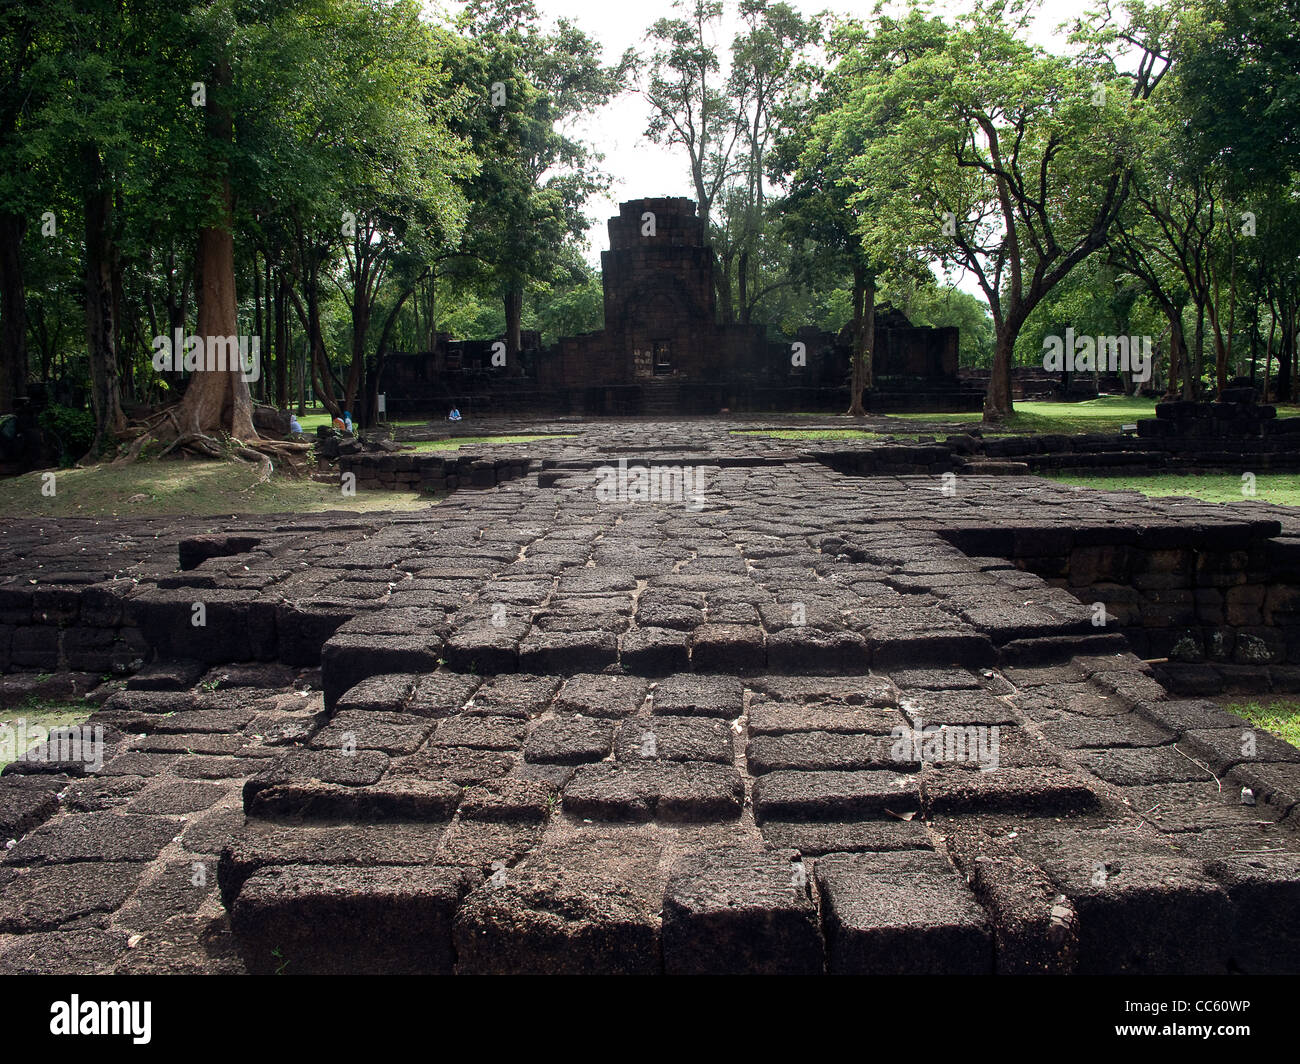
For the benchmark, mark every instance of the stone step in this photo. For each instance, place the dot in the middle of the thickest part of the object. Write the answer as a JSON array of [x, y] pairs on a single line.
[[744, 911]]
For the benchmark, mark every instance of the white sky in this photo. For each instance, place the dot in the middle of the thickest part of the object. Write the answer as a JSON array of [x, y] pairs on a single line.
[[642, 168]]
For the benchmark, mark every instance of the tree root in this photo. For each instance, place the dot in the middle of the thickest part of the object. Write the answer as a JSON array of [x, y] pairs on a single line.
[[289, 456], [248, 454], [197, 443]]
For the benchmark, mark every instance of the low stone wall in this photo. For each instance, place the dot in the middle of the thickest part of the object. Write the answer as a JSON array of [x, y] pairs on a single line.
[[1090, 453], [1219, 609], [69, 628], [431, 472]]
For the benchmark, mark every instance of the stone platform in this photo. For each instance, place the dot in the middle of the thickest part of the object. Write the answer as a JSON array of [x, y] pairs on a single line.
[[537, 727]]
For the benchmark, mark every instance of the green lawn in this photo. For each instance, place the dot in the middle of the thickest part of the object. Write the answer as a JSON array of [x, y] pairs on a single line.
[[20, 722], [1279, 716], [461, 441], [189, 486], [1281, 488], [1105, 414], [809, 434], [310, 422]]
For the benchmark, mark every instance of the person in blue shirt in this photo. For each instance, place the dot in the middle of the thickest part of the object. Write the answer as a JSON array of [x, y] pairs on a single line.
[[454, 415]]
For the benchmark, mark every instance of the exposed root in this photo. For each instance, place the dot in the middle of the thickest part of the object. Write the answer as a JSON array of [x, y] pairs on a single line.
[[290, 455], [197, 443], [268, 455], [247, 454]]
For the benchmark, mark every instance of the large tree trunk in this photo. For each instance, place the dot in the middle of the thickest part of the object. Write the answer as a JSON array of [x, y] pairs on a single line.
[[998, 405], [217, 400], [864, 338], [281, 343], [742, 286], [1287, 347], [101, 306], [13, 313], [1200, 345], [356, 386], [514, 338], [1179, 364]]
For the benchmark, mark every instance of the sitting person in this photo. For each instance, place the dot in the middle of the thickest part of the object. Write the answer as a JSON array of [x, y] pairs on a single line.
[[454, 415]]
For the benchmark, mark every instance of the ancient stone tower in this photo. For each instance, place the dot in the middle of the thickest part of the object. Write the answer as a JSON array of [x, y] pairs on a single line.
[[659, 299]]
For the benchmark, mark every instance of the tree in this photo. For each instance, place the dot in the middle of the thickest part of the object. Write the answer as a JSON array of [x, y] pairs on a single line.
[[685, 90], [528, 199], [987, 154], [820, 223]]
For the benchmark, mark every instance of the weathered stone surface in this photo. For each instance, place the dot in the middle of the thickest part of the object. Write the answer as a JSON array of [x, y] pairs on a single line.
[[675, 739], [601, 696], [1145, 914], [776, 718], [570, 739], [107, 836], [552, 923], [480, 733], [813, 750], [510, 798], [43, 898], [847, 836], [659, 790], [834, 795], [733, 912], [177, 799], [335, 920], [1136, 766], [958, 604], [881, 919], [1046, 791], [324, 766], [1265, 893], [399, 798], [26, 801], [709, 696], [78, 952]]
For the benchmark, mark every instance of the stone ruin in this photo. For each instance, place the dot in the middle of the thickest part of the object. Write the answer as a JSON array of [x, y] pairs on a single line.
[[820, 723], [664, 352]]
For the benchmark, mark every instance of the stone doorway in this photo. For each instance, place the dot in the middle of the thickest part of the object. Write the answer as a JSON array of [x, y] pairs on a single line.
[[663, 362]]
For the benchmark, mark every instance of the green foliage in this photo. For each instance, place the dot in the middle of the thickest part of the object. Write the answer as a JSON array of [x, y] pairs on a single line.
[[74, 429]]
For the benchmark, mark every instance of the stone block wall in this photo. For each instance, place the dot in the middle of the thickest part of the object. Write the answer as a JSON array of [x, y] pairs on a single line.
[[431, 472], [69, 628], [1217, 610]]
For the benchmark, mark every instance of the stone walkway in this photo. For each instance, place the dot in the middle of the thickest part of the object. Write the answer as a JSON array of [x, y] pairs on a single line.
[[790, 721]]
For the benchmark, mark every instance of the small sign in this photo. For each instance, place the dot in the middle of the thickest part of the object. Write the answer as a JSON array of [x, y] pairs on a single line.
[[383, 405]]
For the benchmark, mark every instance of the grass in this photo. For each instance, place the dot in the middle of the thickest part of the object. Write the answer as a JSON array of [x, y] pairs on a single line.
[[809, 434], [460, 441], [31, 715], [1280, 488], [1281, 717], [191, 486], [1105, 414]]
